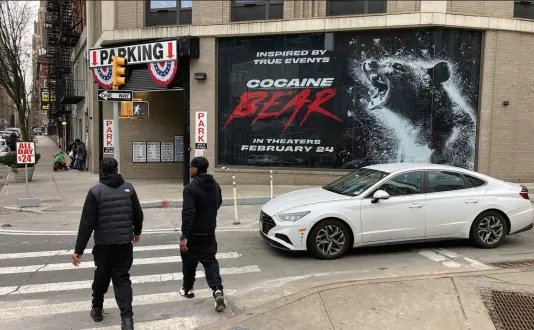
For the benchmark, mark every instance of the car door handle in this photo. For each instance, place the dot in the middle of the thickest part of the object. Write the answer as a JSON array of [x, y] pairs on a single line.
[[415, 206], [471, 201]]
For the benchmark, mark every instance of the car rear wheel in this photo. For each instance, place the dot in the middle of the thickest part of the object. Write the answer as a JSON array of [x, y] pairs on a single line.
[[329, 239], [489, 230]]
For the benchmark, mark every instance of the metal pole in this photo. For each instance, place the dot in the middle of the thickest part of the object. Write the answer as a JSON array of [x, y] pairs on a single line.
[[64, 137], [27, 186], [271, 184], [100, 133], [236, 217], [116, 142]]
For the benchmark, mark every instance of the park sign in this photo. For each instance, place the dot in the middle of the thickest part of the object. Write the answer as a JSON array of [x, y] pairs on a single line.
[[135, 54], [25, 153]]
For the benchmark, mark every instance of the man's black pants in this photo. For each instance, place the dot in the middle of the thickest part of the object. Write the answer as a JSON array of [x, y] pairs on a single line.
[[113, 263], [201, 248]]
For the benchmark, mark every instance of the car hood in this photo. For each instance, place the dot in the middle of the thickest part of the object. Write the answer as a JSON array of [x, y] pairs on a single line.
[[300, 198]]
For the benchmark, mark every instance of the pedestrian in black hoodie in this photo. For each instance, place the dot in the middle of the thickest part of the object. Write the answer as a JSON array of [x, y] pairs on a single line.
[[202, 199], [112, 210]]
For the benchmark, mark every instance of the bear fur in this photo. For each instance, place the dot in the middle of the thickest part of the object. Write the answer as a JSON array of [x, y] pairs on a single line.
[[418, 95]]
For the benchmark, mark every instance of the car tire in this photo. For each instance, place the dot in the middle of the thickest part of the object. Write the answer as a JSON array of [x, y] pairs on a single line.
[[486, 229], [339, 232]]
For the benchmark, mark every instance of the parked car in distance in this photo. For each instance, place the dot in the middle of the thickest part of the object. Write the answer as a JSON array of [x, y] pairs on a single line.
[[4, 149], [395, 203], [14, 130]]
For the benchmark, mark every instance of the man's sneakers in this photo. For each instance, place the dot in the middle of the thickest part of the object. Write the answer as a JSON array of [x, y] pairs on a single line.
[[218, 295], [220, 304], [187, 293], [127, 324], [97, 314]]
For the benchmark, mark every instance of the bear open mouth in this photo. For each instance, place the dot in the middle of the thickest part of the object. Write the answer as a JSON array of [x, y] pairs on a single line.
[[381, 89]]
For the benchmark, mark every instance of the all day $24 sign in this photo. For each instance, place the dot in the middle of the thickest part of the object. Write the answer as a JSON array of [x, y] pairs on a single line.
[[25, 153]]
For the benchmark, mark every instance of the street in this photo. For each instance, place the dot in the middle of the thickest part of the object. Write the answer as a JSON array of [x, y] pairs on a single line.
[[40, 289]]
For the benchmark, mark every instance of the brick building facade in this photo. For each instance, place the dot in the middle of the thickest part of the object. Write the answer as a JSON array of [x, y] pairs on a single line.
[[504, 100]]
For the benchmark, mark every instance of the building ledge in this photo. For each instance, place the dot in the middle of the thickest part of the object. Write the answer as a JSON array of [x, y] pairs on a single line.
[[323, 24]]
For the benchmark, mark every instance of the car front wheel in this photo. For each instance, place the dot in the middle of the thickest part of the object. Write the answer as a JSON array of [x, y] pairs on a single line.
[[489, 230], [330, 239]]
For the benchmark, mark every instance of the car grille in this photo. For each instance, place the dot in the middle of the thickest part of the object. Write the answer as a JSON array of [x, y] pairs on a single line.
[[267, 223]]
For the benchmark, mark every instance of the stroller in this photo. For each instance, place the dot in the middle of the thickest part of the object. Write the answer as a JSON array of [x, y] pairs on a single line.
[[60, 163]]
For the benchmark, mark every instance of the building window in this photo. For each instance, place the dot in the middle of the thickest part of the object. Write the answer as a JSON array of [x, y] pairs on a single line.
[[524, 9], [177, 12], [355, 7], [253, 10]]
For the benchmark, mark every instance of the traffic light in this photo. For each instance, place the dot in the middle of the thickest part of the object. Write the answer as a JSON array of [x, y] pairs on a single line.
[[119, 73]]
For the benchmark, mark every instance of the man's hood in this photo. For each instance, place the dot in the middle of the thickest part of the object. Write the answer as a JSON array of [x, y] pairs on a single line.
[[206, 182], [111, 180]]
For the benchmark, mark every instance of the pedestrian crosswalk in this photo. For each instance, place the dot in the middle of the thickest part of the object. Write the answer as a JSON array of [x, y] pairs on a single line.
[[43, 290]]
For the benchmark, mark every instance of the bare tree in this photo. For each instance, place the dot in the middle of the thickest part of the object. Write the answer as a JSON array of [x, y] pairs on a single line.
[[15, 56]]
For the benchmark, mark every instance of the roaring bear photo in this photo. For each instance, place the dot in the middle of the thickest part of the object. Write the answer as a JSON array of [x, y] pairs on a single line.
[[417, 101]]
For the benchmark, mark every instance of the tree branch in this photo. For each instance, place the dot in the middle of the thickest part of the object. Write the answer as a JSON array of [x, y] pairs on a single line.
[[15, 56]]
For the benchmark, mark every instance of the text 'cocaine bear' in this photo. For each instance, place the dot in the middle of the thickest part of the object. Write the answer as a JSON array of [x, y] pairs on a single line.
[[417, 95]]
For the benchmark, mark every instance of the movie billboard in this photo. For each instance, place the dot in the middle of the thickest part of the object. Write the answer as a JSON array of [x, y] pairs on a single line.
[[351, 99]]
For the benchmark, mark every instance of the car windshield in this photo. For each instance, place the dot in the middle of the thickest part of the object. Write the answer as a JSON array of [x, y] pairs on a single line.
[[355, 183]]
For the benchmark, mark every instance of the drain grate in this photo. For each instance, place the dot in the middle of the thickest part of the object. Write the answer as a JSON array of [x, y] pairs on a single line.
[[514, 264], [509, 310]]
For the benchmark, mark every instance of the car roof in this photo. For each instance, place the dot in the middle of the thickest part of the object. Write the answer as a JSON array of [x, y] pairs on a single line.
[[396, 167]]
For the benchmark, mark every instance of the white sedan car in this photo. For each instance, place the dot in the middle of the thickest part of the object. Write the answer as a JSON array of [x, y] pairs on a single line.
[[392, 203], [4, 149]]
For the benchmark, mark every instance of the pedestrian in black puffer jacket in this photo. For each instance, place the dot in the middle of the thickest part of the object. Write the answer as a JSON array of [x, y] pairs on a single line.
[[112, 210]]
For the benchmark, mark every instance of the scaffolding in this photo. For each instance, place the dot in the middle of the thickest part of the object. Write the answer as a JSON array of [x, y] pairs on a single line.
[[63, 28]]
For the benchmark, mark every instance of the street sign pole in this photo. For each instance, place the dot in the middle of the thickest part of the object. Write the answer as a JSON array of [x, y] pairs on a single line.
[[26, 155], [116, 142]]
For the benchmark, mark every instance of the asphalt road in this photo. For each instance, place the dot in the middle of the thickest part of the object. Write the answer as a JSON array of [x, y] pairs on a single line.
[[39, 289]]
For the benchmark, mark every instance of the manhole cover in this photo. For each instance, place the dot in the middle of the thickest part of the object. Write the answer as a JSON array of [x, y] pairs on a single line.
[[509, 310], [514, 264]]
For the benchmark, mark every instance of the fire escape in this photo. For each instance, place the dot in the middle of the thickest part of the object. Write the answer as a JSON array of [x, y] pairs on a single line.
[[63, 26]]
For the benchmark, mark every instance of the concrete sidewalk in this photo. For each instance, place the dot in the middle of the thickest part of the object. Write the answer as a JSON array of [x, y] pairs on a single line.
[[438, 302], [65, 192]]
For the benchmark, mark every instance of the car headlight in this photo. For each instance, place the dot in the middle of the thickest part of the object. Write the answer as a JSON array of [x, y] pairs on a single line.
[[291, 217]]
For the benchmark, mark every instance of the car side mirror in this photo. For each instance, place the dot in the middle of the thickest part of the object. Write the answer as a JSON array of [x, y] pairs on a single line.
[[378, 195]]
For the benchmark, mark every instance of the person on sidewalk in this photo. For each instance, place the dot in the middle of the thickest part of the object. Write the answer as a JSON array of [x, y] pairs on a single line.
[[112, 210], [81, 154], [72, 149], [201, 201]]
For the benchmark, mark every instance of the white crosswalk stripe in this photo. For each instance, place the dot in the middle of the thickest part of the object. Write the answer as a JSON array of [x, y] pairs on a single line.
[[65, 266], [33, 292], [452, 260]]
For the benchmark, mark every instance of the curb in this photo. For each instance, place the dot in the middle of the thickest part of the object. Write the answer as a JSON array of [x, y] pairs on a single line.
[[227, 201], [158, 204], [247, 314]]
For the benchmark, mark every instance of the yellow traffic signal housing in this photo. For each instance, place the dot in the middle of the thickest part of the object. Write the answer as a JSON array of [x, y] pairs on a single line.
[[119, 73], [126, 109]]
